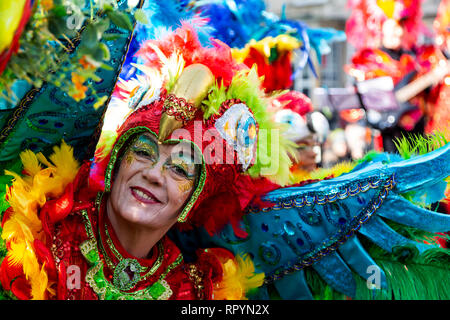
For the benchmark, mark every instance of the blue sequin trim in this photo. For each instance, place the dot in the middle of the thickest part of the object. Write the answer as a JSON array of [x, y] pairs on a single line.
[[311, 200], [342, 236]]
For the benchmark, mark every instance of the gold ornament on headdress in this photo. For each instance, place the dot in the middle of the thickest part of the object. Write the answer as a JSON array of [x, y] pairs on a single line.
[[186, 97]]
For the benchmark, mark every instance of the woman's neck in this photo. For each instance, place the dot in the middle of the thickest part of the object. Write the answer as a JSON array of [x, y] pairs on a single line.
[[136, 240]]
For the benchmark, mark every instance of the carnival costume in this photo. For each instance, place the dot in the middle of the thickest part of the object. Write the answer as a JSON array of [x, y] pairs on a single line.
[[55, 218]]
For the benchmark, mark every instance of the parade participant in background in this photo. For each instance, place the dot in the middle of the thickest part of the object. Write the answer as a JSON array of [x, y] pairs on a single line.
[[280, 48], [438, 55], [385, 34], [438, 107], [306, 127]]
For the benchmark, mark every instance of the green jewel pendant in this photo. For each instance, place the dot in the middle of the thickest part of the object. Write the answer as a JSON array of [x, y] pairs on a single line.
[[126, 274]]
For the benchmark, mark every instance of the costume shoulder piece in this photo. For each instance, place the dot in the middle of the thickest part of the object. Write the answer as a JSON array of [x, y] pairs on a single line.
[[364, 233]]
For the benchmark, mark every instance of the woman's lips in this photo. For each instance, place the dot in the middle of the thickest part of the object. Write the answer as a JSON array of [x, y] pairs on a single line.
[[144, 195]]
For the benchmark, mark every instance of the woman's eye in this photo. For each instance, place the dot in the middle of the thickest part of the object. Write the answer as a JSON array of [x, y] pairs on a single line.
[[144, 153], [180, 171]]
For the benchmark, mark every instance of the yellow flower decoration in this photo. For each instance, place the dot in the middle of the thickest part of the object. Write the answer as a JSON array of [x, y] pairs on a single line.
[[282, 42]]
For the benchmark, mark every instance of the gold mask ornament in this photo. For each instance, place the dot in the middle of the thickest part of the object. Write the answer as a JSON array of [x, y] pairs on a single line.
[[182, 103]]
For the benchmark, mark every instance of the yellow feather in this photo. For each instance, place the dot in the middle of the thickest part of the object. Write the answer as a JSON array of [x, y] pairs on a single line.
[[12, 230], [30, 162], [247, 273], [44, 160], [50, 288], [65, 163], [47, 183], [18, 227], [26, 196], [39, 284], [16, 253], [31, 225], [23, 202], [17, 179], [239, 277], [299, 175], [30, 263], [336, 170]]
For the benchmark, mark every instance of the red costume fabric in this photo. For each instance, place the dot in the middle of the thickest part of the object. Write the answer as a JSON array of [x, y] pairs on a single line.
[[67, 267]]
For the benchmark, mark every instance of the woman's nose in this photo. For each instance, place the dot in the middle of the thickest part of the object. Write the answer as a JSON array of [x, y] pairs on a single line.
[[154, 174]]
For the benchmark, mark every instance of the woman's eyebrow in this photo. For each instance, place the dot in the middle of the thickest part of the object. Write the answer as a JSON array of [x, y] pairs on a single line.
[[148, 137]]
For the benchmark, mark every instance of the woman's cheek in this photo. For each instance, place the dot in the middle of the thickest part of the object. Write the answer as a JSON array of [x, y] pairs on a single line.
[[180, 191]]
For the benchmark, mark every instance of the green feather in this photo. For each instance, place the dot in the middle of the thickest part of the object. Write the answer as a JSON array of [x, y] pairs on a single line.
[[410, 275], [415, 144], [216, 96]]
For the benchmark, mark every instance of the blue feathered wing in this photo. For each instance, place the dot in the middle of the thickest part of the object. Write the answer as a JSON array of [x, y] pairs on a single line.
[[320, 225]]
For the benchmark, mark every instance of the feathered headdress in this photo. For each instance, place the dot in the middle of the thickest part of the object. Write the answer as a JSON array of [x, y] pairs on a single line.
[[204, 91], [364, 26]]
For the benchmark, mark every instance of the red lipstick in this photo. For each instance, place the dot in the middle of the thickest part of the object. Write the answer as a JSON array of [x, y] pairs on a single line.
[[143, 195]]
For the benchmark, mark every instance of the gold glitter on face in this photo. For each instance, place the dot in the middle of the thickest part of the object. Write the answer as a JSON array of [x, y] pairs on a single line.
[[156, 184], [179, 165], [186, 186], [129, 158]]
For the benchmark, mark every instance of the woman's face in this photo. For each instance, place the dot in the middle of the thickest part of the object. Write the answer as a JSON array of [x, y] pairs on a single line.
[[153, 182]]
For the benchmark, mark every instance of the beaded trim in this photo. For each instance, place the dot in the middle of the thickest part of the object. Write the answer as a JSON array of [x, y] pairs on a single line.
[[17, 114], [179, 108], [342, 236], [311, 200], [124, 138], [95, 277]]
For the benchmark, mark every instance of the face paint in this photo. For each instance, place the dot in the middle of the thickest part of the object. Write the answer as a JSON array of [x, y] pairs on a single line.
[[155, 170], [186, 186], [129, 158], [182, 164], [145, 147]]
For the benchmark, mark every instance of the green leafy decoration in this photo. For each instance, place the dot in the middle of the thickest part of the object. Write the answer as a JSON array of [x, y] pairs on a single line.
[[54, 29], [416, 144], [216, 96]]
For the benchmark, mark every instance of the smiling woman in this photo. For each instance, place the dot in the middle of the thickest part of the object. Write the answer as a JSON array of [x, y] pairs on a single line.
[[152, 185], [109, 219]]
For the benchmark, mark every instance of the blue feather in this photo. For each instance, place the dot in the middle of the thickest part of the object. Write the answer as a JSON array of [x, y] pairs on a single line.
[[163, 17]]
